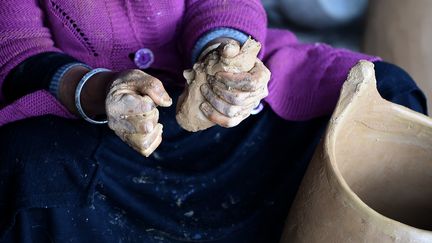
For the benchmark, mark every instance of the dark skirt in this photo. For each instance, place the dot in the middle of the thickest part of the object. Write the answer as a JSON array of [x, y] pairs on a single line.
[[70, 181]]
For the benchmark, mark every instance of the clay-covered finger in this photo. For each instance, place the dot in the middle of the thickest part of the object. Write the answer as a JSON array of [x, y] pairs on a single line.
[[154, 88], [255, 79], [145, 143], [153, 146], [230, 49], [245, 59], [237, 97], [260, 72], [144, 123], [127, 112], [240, 81], [213, 115], [129, 104], [140, 83], [219, 104]]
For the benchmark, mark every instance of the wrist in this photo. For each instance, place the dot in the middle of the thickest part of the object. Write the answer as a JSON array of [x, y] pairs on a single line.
[[93, 94], [67, 86]]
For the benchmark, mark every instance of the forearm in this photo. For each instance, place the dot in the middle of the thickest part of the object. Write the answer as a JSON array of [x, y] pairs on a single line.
[[33, 74], [39, 73], [21, 37], [93, 94]]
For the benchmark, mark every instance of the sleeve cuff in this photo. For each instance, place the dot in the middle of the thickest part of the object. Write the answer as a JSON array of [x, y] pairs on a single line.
[[217, 33], [58, 75]]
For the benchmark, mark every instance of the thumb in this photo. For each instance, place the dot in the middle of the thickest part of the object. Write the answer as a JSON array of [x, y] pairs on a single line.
[[245, 57], [154, 88], [230, 49]]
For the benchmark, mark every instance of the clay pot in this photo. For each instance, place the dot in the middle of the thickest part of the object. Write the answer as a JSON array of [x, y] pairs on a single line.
[[370, 179]]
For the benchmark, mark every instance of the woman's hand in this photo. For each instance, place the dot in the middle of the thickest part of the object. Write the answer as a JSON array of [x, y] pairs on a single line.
[[232, 96], [130, 104], [131, 109]]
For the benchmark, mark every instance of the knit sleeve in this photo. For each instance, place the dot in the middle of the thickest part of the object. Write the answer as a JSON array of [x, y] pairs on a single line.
[[201, 16], [22, 34], [41, 69], [214, 34]]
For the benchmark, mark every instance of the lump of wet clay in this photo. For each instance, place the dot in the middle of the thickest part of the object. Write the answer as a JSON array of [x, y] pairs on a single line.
[[236, 60]]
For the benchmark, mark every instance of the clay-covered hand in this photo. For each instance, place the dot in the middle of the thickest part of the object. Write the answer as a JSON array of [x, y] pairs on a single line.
[[232, 95], [131, 109]]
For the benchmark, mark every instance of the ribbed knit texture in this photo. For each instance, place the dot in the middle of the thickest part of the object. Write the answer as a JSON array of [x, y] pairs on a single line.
[[306, 78], [38, 103], [57, 77], [201, 16], [214, 34]]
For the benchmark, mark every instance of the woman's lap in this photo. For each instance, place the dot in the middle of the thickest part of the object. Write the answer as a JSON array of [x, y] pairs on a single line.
[[65, 159], [73, 169]]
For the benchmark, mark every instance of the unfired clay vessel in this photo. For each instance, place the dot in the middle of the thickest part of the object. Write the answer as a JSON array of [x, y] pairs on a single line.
[[370, 179]]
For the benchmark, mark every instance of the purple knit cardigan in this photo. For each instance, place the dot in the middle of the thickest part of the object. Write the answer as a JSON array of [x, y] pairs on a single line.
[[306, 78]]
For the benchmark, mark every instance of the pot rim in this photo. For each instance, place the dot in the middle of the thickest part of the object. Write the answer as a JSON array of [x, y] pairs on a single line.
[[344, 105]]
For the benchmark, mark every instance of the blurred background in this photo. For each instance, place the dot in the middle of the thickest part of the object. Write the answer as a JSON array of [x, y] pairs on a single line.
[[399, 31]]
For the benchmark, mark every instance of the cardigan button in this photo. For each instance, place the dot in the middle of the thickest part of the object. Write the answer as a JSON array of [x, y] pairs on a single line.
[[143, 58], [257, 109]]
